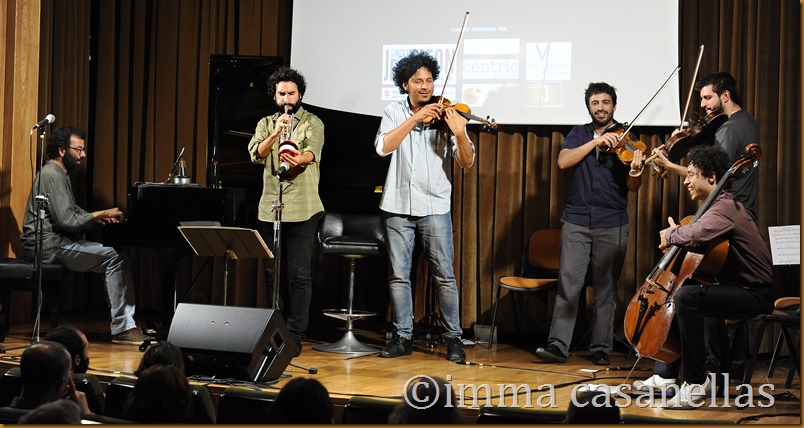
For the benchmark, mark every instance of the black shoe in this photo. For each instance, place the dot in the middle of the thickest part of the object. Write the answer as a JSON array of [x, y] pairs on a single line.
[[455, 349], [551, 353], [399, 346], [600, 358], [298, 348]]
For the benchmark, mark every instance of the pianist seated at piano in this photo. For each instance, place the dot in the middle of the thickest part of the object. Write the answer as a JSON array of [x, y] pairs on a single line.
[[65, 224]]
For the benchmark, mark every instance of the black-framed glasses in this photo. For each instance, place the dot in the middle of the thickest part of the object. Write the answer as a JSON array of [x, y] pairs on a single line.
[[80, 150]]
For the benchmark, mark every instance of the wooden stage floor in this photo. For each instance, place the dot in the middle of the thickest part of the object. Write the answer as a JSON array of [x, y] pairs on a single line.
[[346, 376]]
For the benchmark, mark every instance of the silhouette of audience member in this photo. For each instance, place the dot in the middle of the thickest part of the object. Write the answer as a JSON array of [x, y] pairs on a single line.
[[161, 396], [164, 353], [593, 407], [56, 412], [425, 402], [302, 401], [46, 372], [76, 343]]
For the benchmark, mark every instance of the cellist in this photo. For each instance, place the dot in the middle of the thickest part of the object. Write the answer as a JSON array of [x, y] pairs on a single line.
[[719, 92], [745, 284]]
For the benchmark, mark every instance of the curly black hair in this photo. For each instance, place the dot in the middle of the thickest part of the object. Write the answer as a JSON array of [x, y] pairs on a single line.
[[406, 67], [721, 82], [61, 139], [600, 88], [286, 74], [709, 159]]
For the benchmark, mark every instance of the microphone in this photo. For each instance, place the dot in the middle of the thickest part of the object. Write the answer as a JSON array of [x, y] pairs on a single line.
[[286, 147], [46, 121]]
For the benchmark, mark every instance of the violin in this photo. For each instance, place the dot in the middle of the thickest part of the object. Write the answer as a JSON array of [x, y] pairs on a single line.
[[702, 132], [626, 146], [462, 109], [648, 319]]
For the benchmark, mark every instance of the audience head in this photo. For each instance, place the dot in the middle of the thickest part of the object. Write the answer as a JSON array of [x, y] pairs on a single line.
[[56, 412], [427, 400], [164, 353], [302, 401], [76, 343], [160, 396], [593, 407], [45, 369]]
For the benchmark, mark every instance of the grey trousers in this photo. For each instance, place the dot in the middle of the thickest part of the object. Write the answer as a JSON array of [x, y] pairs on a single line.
[[602, 250]]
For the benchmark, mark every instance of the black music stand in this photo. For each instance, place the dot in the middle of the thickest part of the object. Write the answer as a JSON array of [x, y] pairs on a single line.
[[228, 242]]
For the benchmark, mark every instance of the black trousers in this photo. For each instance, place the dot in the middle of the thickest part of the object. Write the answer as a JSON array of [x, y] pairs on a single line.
[[298, 239], [694, 304]]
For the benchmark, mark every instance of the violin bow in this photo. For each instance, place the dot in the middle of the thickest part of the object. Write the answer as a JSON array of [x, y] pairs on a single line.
[[452, 61], [631, 125], [692, 86]]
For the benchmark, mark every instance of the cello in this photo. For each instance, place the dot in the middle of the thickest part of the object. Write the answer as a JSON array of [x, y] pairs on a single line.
[[648, 319]]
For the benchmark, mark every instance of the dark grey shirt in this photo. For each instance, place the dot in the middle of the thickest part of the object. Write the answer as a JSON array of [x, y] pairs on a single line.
[[733, 136], [64, 221]]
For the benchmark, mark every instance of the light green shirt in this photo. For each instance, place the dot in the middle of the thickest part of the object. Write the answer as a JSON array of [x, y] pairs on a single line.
[[300, 199]]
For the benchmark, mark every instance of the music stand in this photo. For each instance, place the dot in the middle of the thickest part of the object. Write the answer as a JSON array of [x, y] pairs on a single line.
[[228, 242]]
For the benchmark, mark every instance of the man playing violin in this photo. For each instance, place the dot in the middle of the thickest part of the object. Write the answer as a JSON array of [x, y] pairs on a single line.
[[744, 287], [416, 198], [595, 226], [719, 93]]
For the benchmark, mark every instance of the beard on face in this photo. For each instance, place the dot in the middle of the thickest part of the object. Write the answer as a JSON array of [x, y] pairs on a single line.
[[69, 161], [293, 107], [82, 366]]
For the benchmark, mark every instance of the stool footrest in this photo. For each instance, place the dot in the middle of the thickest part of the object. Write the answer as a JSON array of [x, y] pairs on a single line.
[[344, 314], [347, 345]]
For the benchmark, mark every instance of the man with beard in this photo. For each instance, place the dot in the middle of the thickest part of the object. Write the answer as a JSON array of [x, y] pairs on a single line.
[[595, 226], [299, 167], [64, 225], [76, 343], [719, 93]]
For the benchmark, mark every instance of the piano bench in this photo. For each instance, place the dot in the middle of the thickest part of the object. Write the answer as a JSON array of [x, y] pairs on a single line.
[[18, 275]]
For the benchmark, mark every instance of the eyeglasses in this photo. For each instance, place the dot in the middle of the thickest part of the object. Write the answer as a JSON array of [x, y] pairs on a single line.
[[80, 150]]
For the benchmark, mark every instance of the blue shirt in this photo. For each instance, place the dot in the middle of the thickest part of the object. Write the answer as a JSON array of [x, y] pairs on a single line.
[[598, 193], [418, 182]]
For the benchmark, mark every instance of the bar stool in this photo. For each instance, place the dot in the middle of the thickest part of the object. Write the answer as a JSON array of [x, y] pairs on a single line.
[[353, 237]]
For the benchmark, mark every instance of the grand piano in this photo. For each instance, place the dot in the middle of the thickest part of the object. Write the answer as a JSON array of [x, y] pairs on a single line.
[[351, 172]]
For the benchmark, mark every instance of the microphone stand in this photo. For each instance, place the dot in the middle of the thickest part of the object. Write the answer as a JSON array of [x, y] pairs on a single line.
[[41, 201], [277, 208]]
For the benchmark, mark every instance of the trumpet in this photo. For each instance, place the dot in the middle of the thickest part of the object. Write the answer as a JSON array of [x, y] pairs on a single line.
[[286, 144]]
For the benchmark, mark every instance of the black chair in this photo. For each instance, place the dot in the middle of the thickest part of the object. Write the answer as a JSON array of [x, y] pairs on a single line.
[[787, 315], [9, 416], [368, 410], [18, 275], [117, 392], [353, 237], [520, 415], [238, 405]]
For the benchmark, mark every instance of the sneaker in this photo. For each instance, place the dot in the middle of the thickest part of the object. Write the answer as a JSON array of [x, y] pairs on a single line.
[[455, 349], [399, 346], [690, 396], [132, 336], [600, 358], [552, 354], [655, 382]]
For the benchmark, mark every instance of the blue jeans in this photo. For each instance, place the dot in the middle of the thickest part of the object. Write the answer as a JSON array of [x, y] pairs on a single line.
[[435, 233], [88, 256]]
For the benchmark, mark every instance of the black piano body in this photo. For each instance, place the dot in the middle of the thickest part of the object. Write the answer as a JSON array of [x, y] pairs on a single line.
[[154, 212]]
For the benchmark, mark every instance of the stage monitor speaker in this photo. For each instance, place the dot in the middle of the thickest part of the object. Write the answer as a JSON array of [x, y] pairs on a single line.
[[252, 344]]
